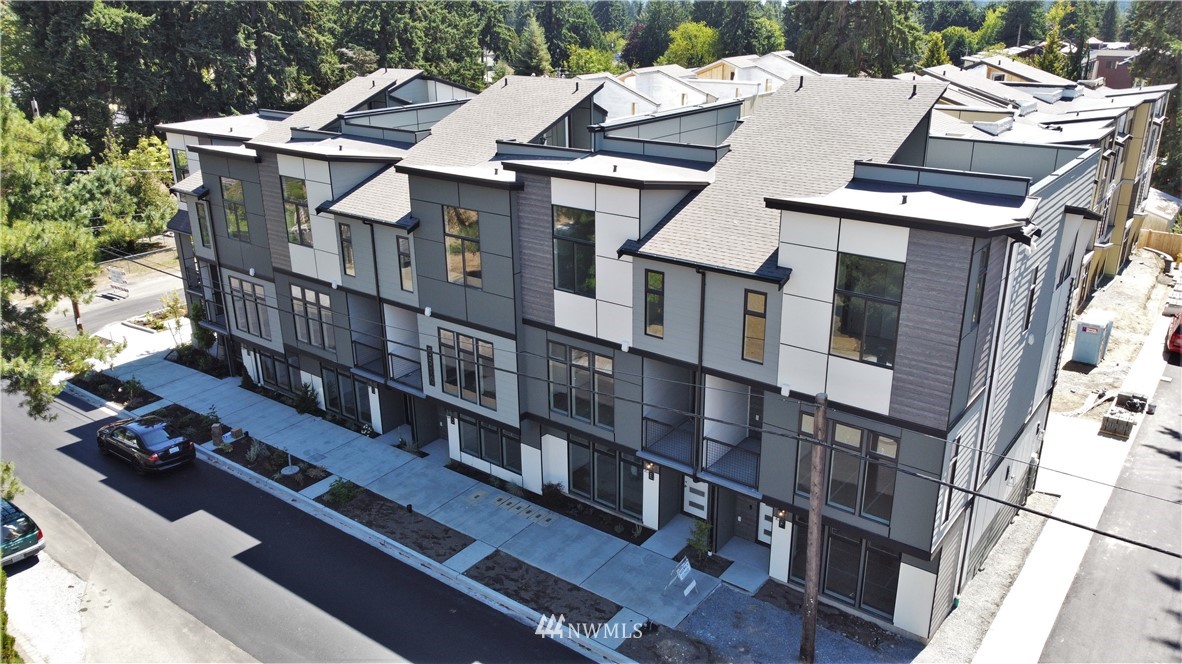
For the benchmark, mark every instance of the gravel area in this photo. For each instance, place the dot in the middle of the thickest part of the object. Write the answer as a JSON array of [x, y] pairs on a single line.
[[963, 630]]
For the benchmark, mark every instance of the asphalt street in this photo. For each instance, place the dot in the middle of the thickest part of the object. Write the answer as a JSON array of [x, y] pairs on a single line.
[[270, 579], [109, 306], [1125, 604]]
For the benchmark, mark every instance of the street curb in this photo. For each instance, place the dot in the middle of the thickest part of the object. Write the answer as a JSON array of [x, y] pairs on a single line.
[[523, 614]]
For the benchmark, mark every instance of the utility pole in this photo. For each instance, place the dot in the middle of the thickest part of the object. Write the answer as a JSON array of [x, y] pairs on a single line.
[[812, 567]]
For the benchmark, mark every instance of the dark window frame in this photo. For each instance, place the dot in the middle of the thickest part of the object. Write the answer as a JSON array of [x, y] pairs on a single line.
[[865, 455], [249, 302], [979, 287], [1030, 300], [295, 210], [312, 314], [201, 210], [405, 265], [750, 317], [621, 463], [570, 375], [180, 170], [237, 223], [348, 259], [579, 279], [848, 302], [654, 304], [467, 245], [473, 362], [494, 443]]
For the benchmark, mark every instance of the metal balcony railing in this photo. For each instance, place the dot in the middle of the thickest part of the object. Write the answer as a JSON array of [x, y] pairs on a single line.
[[390, 366], [404, 370], [368, 358], [739, 463], [672, 441]]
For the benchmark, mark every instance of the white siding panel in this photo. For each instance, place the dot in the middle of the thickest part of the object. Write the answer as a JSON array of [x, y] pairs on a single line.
[[874, 240], [804, 323], [811, 230], [554, 460], [611, 231], [569, 193], [531, 469], [574, 312], [615, 322], [813, 271], [652, 501], [316, 171], [781, 556], [324, 233], [303, 259], [328, 267], [318, 192], [859, 384], [613, 281], [617, 200], [802, 370], [913, 600], [292, 167], [375, 410]]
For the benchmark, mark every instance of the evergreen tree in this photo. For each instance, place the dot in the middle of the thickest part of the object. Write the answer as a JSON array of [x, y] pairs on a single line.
[[711, 12], [650, 37], [1152, 28], [610, 15], [935, 54], [1077, 21], [691, 45], [1051, 59], [738, 28], [958, 42], [990, 33], [533, 56], [1024, 21], [766, 36], [1110, 22], [878, 38], [936, 15]]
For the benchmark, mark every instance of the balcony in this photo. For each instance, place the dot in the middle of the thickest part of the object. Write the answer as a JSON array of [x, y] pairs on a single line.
[[673, 442], [738, 463], [404, 371], [193, 282], [387, 367]]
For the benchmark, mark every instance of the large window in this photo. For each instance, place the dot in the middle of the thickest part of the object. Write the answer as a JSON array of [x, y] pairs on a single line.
[[574, 250], [461, 235], [862, 471], [853, 570], [348, 263], [492, 443], [201, 209], [313, 317], [468, 368], [866, 309], [234, 203], [607, 476], [406, 274], [180, 164], [582, 385], [346, 396], [754, 325], [654, 303], [295, 208], [250, 308], [282, 372]]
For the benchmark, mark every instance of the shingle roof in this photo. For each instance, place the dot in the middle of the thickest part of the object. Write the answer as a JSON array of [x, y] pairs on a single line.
[[325, 110], [802, 142], [233, 127], [517, 108], [194, 184], [1018, 69], [180, 223], [384, 198]]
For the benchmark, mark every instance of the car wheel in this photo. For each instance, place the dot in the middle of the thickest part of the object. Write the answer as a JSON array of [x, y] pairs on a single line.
[[103, 449], [139, 468]]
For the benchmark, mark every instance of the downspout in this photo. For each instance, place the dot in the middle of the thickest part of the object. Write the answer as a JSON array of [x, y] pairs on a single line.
[[700, 425], [1002, 302]]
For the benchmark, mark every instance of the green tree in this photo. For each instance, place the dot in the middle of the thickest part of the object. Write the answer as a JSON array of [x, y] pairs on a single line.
[[1110, 21], [691, 45], [878, 38], [10, 484], [767, 36], [591, 61], [991, 29], [1024, 21], [958, 42], [939, 15], [935, 54], [1152, 28], [1077, 21], [610, 15], [1052, 60], [649, 38], [567, 24], [533, 57]]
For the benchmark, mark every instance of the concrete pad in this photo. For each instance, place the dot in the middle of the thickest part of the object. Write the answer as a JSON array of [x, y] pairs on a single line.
[[669, 540], [745, 577], [477, 513], [472, 554], [362, 460], [266, 425], [437, 452], [640, 580], [621, 626], [313, 439], [421, 484], [320, 488], [565, 548]]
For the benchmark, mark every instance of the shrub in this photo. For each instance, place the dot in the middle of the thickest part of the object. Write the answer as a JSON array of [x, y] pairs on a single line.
[[699, 539], [341, 492], [256, 451], [248, 382], [307, 400]]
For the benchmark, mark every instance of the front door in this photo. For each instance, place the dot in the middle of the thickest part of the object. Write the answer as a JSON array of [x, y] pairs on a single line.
[[694, 500], [746, 518]]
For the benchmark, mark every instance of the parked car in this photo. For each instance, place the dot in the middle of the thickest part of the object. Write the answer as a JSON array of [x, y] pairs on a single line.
[[1174, 334], [147, 443], [22, 538]]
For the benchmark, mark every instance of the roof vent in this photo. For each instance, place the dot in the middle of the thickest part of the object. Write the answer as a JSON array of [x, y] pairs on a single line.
[[994, 128], [904, 200], [615, 167], [914, 91], [801, 85]]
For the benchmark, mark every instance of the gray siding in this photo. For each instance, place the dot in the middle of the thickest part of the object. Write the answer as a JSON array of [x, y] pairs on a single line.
[[934, 286], [273, 210], [365, 279], [946, 576], [232, 253], [914, 509], [777, 459], [723, 337], [682, 293], [536, 239]]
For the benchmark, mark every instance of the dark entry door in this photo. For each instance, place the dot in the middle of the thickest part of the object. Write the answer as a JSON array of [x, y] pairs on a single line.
[[746, 518]]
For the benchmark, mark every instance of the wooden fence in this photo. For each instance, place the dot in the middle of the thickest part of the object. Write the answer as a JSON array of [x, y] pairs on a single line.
[[1167, 243]]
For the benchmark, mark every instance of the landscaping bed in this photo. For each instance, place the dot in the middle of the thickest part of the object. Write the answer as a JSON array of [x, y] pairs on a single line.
[[129, 394], [667, 646], [541, 590], [158, 321], [263, 459], [195, 358], [835, 620], [193, 426], [421, 533], [714, 565]]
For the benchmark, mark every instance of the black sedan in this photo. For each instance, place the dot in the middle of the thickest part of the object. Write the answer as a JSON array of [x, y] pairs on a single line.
[[147, 443]]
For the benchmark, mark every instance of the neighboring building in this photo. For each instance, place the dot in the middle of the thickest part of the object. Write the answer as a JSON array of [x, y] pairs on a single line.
[[641, 308], [1111, 62]]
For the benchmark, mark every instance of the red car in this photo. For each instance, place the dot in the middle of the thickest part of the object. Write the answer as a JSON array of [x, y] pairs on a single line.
[[1174, 334]]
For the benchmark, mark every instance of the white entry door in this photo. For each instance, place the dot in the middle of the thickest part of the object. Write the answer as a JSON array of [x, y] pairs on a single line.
[[765, 523], [695, 499]]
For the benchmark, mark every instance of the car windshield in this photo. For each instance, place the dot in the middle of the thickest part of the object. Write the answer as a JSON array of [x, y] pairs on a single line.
[[17, 528], [157, 437]]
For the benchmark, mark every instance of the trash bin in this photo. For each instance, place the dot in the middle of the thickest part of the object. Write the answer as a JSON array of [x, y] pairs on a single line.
[[1091, 337]]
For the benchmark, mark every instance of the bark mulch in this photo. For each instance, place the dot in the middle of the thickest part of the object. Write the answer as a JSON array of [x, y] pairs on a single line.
[[713, 565], [266, 460], [423, 534], [541, 590], [667, 646], [848, 625], [114, 390]]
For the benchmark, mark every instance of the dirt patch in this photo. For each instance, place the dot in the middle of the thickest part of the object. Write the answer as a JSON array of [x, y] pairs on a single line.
[[193, 426], [713, 565], [423, 534], [1135, 299], [541, 590], [263, 459], [833, 619], [127, 394], [668, 646]]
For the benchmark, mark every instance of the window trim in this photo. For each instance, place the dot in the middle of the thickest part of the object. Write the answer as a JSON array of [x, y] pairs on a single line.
[[654, 305], [240, 229], [292, 207], [506, 439], [867, 299], [245, 297], [749, 316], [405, 264], [865, 454], [467, 245], [472, 355], [1030, 300], [348, 259], [313, 314], [567, 385], [182, 153], [578, 247], [201, 210]]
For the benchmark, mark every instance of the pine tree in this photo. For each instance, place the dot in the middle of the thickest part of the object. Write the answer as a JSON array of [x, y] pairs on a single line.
[[935, 54], [1151, 27], [533, 56], [1110, 22], [1051, 59]]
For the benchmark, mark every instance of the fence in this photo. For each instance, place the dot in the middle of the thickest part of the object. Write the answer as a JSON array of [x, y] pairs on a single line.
[[1167, 243]]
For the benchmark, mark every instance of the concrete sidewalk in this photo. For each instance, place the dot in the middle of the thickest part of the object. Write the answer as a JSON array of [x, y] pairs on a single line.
[[634, 577], [1080, 466]]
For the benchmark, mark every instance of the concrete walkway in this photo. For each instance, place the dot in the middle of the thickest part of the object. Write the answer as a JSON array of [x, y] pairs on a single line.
[[1085, 467]]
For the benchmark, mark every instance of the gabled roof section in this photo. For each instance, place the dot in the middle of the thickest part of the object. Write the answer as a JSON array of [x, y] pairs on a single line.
[[1016, 68], [383, 198], [324, 111], [514, 108], [803, 142]]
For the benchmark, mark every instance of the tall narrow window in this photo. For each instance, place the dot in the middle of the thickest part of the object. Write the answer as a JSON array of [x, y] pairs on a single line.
[[1030, 300], [654, 303], [878, 490], [180, 164], [866, 309], [313, 317], [449, 362], [979, 287], [234, 204], [488, 374], [754, 325], [405, 271], [461, 235], [348, 264], [574, 251], [468, 386], [202, 212], [845, 467], [295, 209]]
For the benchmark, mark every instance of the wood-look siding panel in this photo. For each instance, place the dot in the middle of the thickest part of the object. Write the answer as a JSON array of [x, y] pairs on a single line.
[[537, 246], [946, 577], [929, 326], [273, 211]]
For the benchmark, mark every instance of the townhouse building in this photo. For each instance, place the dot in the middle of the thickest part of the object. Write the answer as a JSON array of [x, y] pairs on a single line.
[[640, 309]]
